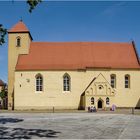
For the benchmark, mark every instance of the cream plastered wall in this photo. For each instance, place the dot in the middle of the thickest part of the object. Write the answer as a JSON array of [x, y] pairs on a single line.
[[13, 52], [26, 97]]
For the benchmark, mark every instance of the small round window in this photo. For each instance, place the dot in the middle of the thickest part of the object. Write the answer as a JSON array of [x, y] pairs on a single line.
[[100, 87]]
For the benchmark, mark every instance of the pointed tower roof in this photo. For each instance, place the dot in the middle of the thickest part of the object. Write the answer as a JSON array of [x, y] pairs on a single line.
[[20, 27]]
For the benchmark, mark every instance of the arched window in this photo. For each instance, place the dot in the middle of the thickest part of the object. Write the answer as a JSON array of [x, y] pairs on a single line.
[[107, 101], [127, 81], [39, 83], [92, 100], [18, 41], [66, 82], [113, 80]]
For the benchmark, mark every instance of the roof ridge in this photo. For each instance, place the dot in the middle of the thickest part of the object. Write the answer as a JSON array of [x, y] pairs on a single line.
[[80, 42]]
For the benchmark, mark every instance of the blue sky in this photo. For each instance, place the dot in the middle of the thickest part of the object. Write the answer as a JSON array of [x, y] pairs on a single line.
[[73, 21]]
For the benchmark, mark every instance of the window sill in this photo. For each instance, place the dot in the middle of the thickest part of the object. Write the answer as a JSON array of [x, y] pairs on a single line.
[[38, 91], [66, 91]]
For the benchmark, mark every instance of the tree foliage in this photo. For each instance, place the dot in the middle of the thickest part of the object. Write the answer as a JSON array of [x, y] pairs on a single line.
[[3, 94], [3, 31], [33, 4]]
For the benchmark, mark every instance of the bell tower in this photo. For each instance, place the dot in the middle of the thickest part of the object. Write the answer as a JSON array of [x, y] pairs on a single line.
[[19, 39]]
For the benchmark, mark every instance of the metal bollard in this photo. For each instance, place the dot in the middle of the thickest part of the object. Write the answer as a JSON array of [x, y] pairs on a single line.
[[53, 109], [132, 110]]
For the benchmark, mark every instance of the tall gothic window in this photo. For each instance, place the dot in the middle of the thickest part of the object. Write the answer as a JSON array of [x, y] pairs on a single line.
[[39, 83], [18, 41], [113, 80], [66, 82], [127, 81]]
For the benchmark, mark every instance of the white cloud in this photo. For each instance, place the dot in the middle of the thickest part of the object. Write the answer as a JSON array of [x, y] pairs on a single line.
[[113, 9]]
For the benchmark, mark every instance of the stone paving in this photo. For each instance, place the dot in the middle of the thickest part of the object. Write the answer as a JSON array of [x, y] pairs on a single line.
[[69, 126]]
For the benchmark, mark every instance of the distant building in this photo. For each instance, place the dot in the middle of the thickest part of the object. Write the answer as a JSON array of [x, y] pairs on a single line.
[[2, 85], [70, 75]]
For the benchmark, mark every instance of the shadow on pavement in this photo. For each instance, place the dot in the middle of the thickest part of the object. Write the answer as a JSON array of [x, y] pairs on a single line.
[[9, 120], [21, 133]]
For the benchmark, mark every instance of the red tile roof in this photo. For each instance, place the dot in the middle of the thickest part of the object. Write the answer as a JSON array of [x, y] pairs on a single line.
[[78, 55], [19, 27], [2, 83]]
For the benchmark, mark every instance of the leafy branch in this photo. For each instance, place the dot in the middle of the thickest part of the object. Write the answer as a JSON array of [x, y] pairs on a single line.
[[3, 33], [33, 4], [3, 94]]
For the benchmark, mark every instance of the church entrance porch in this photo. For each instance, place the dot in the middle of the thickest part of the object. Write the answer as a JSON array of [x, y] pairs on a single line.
[[98, 93]]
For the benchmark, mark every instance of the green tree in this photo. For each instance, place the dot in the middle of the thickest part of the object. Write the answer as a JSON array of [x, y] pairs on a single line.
[[3, 94], [32, 4], [3, 31]]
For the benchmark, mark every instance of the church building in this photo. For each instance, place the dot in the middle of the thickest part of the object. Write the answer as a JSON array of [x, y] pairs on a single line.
[[70, 75]]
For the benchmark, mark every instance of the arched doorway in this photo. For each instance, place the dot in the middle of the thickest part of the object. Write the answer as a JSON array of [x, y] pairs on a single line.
[[100, 104]]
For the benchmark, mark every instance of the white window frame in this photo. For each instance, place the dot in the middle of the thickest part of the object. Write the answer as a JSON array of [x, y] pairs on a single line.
[[39, 83], [127, 81], [113, 80], [66, 83]]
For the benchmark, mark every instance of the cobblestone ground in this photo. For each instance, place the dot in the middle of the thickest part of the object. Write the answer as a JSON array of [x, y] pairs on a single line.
[[69, 126]]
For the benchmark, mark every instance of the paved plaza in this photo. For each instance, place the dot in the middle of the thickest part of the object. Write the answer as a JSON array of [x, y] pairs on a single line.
[[69, 126]]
